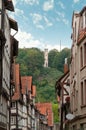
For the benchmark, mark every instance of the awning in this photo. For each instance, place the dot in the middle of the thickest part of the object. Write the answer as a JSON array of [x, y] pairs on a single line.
[[13, 24], [9, 5]]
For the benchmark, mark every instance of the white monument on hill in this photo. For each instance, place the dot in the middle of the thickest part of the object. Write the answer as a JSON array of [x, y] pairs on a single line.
[[45, 57]]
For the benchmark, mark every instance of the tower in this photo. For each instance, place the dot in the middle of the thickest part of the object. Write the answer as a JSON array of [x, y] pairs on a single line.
[[46, 58]]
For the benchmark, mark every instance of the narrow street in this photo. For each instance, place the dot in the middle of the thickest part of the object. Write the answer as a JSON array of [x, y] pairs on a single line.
[[42, 83]]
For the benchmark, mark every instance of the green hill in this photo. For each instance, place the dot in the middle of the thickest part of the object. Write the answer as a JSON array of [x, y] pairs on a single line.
[[31, 62]]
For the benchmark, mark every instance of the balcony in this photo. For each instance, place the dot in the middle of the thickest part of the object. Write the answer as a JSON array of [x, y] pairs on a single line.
[[81, 36]]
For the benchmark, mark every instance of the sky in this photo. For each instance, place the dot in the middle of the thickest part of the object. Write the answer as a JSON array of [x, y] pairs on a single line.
[[45, 23]]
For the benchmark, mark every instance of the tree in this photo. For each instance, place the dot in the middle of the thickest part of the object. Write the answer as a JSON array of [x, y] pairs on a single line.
[[60, 59], [51, 57], [56, 112], [31, 61]]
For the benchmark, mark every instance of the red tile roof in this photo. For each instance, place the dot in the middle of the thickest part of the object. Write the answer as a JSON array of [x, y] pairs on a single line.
[[33, 91], [24, 84], [46, 109], [16, 95], [29, 78]]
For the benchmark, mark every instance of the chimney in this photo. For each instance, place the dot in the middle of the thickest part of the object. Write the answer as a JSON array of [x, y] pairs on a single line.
[[65, 66]]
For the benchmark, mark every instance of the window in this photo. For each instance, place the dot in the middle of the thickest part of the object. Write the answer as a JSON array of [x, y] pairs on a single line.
[[85, 54], [81, 22], [71, 104], [74, 127], [85, 19], [82, 100], [83, 127], [85, 91], [75, 32], [76, 99], [13, 104], [13, 120], [81, 57], [0, 58]]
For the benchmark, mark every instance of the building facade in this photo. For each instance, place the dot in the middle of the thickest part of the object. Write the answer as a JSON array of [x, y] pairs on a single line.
[[23, 103], [5, 63], [63, 97], [78, 71]]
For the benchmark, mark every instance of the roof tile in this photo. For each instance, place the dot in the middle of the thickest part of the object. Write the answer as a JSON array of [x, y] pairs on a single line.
[[46, 109], [33, 91], [16, 95]]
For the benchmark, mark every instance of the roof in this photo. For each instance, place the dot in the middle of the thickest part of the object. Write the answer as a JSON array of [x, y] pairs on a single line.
[[14, 46], [46, 109], [29, 78], [33, 91], [84, 8], [63, 77], [24, 84], [60, 81], [17, 93], [27, 82], [13, 24], [9, 5]]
